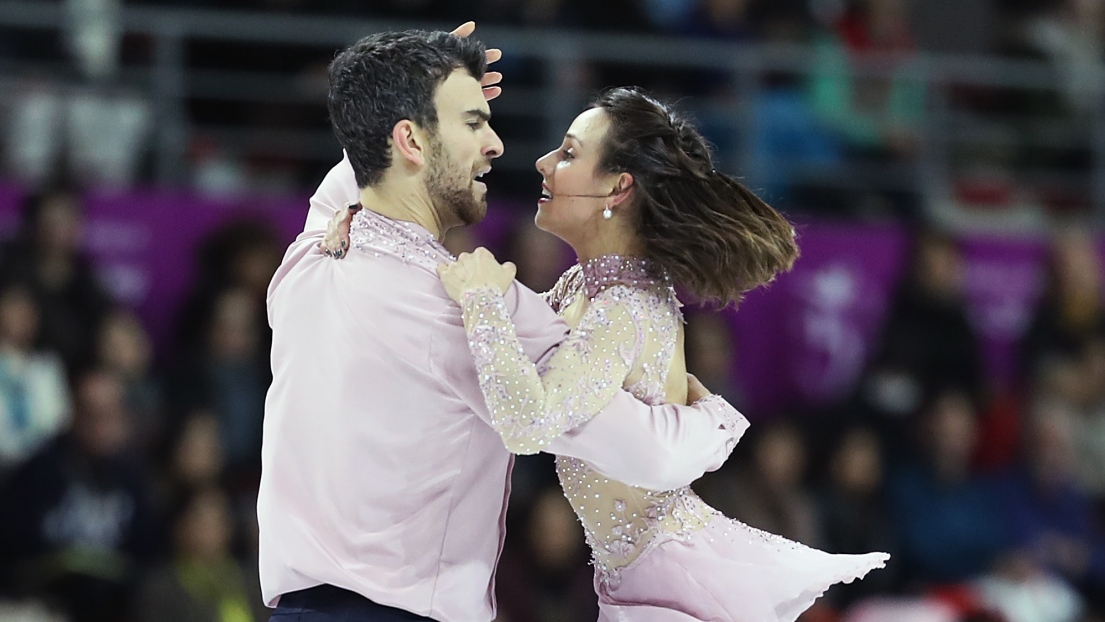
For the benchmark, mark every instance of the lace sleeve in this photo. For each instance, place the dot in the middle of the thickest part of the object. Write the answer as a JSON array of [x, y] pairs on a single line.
[[531, 407], [558, 296]]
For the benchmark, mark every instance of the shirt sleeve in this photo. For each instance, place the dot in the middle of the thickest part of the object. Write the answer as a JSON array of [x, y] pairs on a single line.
[[659, 447], [529, 406], [337, 190]]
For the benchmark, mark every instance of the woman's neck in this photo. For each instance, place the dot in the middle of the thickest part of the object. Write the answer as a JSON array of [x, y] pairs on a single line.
[[602, 248]]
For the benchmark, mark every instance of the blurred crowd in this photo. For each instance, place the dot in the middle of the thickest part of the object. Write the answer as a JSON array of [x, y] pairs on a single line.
[[128, 469], [128, 473], [843, 136]]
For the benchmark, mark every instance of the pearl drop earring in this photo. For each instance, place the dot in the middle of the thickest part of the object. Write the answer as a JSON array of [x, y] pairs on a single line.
[[607, 213]]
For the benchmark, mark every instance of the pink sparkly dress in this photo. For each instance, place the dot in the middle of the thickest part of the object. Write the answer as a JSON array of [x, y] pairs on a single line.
[[659, 556]]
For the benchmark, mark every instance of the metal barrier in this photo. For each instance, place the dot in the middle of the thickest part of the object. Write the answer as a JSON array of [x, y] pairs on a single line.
[[539, 107]]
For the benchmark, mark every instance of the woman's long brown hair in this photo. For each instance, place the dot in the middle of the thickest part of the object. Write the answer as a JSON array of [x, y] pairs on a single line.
[[713, 236]]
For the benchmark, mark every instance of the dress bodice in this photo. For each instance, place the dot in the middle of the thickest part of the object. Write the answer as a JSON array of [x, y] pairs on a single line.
[[621, 520], [626, 336]]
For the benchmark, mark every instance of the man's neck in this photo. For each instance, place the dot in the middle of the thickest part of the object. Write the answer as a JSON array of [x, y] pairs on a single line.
[[404, 202]]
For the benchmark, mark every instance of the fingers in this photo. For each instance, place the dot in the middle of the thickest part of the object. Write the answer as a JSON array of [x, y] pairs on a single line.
[[336, 241], [465, 29], [695, 389], [491, 78], [493, 55], [492, 92], [509, 271]]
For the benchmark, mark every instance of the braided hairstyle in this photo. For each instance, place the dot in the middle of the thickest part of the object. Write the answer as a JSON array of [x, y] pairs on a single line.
[[714, 237]]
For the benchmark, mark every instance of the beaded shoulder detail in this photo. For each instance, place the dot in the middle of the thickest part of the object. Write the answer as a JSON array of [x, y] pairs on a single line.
[[373, 233], [604, 272]]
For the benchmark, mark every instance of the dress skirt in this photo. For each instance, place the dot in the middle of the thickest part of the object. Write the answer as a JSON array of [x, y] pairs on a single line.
[[725, 572]]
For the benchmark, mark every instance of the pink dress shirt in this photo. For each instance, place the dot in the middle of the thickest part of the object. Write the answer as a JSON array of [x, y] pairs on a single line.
[[381, 471]]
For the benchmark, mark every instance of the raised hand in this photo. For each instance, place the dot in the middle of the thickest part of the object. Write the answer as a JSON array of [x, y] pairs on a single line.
[[490, 79], [473, 271]]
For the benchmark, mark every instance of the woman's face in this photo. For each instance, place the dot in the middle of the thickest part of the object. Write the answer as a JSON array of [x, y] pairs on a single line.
[[571, 170]]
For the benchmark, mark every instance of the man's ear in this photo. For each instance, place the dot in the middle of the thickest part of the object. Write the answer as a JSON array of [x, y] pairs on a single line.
[[410, 141], [622, 189]]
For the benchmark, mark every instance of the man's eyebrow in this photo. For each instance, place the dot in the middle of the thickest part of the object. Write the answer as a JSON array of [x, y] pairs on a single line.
[[479, 114]]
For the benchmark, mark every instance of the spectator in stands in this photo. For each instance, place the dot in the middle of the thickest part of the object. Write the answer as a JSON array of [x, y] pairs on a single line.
[[193, 456], [1019, 591], [203, 582], [852, 511], [948, 517], [225, 374], [1071, 36], [770, 493], [877, 116], [77, 522], [1070, 381], [926, 344], [46, 255], [241, 254], [711, 351], [613, 15], [124, 348], [225, 340], [1070, 314], [1090, 426], [728, 20], [543, 574], [1047, 514], [34, 393]]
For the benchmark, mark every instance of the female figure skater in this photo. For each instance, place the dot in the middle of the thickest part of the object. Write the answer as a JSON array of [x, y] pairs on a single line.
[[633, 190]]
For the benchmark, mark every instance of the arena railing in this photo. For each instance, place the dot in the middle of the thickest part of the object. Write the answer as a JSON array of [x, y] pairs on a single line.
[[539, 105]]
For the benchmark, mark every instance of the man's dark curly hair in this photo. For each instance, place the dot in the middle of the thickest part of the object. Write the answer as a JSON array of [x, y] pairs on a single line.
[[385, 78]]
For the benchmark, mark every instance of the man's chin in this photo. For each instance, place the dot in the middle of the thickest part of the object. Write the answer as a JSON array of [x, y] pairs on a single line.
[[474, 211], [476, 214]]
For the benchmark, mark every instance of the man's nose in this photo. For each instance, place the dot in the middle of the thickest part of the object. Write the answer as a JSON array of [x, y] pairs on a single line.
[[494, 147]]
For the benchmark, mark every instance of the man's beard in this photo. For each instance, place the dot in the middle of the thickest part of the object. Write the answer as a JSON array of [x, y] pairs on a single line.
[[452, 190]]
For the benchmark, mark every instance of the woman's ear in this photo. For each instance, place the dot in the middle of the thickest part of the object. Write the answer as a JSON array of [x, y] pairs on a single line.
[[408, 140], [622, 189]]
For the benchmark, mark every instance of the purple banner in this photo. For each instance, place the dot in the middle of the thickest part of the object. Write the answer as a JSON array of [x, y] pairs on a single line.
[[807, 338], [143, 242], [803, 340]]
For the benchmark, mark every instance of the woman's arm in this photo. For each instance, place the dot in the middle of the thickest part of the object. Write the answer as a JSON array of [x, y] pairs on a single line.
[[530, 407]]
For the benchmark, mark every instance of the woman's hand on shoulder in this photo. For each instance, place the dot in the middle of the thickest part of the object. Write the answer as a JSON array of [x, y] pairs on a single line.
[[491, 79], [336, 242], [475, 270]]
